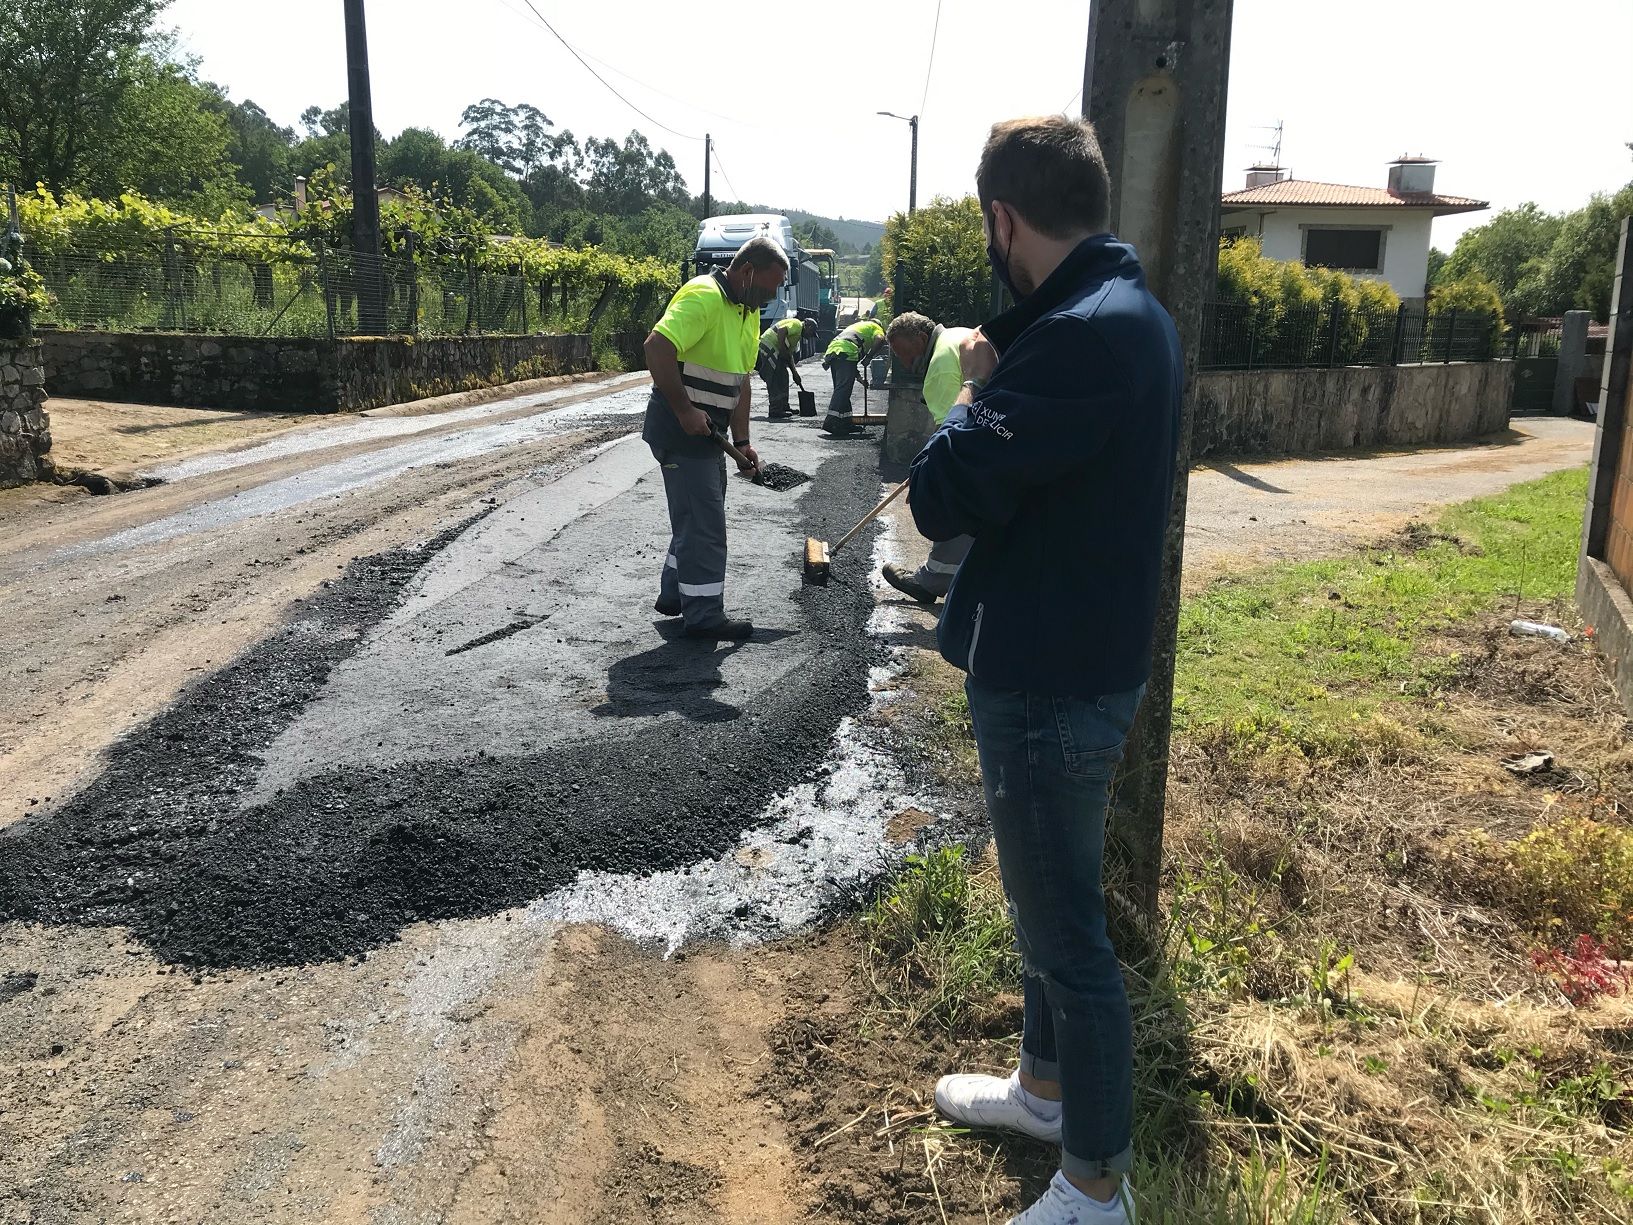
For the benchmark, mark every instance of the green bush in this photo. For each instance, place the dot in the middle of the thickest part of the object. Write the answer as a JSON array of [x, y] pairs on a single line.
[[1285, 307], [935, 262], [1575, 876]]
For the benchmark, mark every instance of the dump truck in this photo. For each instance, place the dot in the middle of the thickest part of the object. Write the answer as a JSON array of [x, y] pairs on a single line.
[[811, 289]]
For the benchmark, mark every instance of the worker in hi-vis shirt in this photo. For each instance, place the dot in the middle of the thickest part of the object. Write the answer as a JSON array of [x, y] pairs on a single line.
[[701, 354]]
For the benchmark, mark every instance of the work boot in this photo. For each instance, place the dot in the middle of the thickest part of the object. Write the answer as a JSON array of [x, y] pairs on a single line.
[[839, 427], [998, 1102], [779, 413], [904, 583], [1064, 1204], [667, 608], [728, 630]]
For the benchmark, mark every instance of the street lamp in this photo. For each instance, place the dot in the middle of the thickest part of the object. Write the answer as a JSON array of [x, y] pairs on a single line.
[[912, 121]]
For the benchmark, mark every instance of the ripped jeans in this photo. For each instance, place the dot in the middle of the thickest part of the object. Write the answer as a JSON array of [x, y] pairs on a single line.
[[1047, 764]]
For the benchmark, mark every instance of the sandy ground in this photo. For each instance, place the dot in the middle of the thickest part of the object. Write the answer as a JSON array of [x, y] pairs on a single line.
[[1248, 512], [493, 1069]]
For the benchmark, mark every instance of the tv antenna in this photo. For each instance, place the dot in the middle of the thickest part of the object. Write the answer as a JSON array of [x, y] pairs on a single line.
[[1273, 148]]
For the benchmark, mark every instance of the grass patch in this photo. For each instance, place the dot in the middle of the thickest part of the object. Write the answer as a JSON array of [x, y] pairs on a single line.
[[1311, 659], [1348, 1015]]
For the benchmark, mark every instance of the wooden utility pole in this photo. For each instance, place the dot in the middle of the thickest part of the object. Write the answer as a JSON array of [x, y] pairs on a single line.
[[708, 156], [1154, 88], [367, 275]]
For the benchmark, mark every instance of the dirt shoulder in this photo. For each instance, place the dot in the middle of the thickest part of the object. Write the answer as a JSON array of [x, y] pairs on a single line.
[[1256, 511]]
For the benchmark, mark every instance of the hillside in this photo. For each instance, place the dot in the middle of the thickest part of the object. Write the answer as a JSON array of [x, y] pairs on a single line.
[[858, 234]]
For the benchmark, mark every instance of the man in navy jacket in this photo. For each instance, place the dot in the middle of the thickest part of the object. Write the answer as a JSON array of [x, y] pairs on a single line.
[[1061, 466]]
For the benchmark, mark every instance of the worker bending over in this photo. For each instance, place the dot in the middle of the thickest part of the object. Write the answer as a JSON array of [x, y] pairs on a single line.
[[779, 352], [847, 352], [700, 354], [929, 352]]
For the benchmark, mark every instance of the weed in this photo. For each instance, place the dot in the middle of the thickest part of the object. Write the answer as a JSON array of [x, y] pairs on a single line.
[[1576, 875], [941, 936], [1585, 971]]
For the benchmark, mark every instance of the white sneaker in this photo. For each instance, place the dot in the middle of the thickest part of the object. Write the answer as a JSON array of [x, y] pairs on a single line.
[[1064, 1204], [999, 1102]]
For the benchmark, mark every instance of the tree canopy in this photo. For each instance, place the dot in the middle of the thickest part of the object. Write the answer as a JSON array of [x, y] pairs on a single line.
[[95, 102], [1544, 263]]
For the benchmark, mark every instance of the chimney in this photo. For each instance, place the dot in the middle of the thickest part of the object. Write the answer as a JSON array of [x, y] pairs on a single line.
[[1410, 176], [300, 193], [1260, 176]]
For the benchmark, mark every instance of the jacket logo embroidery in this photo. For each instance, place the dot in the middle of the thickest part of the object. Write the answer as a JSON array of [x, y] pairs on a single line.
[[988, 419]]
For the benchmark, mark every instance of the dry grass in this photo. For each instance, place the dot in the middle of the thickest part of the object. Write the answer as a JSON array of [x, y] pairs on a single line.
[[1344, 1021]]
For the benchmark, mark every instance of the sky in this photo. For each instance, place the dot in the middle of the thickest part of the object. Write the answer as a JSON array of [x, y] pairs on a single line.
[[1519, 101]]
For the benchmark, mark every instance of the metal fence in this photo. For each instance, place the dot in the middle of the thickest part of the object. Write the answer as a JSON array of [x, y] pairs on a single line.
[[1241, 336], [265, 286]]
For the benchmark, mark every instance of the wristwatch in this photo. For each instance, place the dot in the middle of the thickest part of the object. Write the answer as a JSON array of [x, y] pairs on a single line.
[[975, 384]]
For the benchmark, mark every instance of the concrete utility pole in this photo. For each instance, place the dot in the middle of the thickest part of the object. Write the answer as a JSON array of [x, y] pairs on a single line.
[[367, 280], [708, 156], [912, 121], [1154, 88]]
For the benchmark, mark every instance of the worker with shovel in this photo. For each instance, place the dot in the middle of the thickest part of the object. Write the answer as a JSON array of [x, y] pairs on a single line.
[[1062, 469], [848, 352], [779, 351], [929, 351], [701, 354]]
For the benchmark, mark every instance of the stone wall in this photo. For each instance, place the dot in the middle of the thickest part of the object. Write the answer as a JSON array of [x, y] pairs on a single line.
[[293, 374], [1293, 412], [25, 427]]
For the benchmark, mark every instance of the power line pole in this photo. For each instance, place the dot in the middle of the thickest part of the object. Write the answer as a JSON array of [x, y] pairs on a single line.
[[708, 156], [913, 173], [1154, 87], [366, 271]]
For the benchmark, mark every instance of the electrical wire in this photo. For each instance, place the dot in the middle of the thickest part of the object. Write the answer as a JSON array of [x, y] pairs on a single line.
[[619, 72], [1067, 109], [726, 178], [610, 87], [930, 67]]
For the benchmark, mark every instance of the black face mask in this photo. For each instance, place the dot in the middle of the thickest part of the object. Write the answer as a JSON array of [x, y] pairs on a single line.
[[1000, 263]]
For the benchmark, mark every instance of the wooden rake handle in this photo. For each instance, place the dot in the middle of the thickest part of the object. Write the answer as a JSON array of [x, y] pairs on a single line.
[[870, 516]]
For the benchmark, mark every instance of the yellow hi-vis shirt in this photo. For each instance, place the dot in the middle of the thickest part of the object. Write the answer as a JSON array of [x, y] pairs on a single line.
[[792, 327], [944, 378], [856, 340], [716, 342]]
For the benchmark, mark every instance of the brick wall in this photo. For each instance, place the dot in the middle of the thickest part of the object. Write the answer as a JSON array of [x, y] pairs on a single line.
[[1604, 572]]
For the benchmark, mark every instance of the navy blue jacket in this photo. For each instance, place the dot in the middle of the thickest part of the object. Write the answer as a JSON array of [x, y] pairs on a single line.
[[1062, 470]]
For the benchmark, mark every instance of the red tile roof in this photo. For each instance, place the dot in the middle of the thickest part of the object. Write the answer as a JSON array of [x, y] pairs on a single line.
[[1306, 193]]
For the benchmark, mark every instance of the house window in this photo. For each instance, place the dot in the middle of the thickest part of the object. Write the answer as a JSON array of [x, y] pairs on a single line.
[[1231, 233], [1352, 248]]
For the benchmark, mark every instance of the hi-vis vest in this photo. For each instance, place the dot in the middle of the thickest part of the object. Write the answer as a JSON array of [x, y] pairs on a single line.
[[856, 339], [795, 328], [715, 339]]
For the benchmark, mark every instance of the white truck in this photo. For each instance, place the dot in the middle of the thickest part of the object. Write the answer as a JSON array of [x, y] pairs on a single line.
[[801, 293]]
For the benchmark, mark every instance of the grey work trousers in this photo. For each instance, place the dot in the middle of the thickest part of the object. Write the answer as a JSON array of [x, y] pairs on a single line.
[[843, 370], [774, 370], [694, 572], [936, 574]]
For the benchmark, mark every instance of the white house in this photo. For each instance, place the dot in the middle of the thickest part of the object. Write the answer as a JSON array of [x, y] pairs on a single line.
[[1376, 232]]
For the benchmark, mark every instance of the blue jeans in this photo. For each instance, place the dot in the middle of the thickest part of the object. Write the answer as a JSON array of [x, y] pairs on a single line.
[[1047, 764]]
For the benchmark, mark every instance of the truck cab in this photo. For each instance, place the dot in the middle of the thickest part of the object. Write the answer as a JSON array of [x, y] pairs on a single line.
[[718, 239]]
